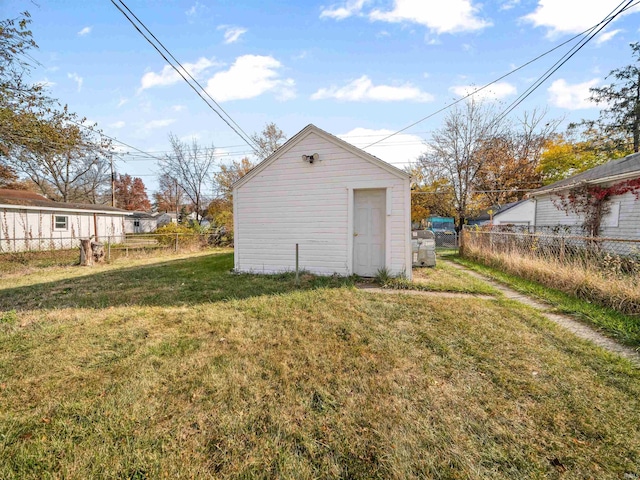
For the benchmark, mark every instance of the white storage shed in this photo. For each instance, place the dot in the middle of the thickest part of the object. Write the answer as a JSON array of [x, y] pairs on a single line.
[[348, 211]]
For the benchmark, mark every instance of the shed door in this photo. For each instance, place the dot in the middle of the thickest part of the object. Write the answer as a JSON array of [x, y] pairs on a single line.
[[368, 235]]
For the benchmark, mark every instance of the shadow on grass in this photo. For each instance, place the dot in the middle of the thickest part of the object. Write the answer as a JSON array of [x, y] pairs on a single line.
[[188, 281]]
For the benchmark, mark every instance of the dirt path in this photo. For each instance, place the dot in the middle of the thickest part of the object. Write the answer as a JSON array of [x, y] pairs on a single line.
[[578, 328]]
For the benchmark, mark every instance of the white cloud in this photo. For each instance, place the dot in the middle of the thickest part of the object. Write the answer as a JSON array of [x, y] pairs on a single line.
[[195, 10], [250, 76], [232, 34], [497, 91], [85, 31], [300, 56], [351, 7], [398, 150], [571, 16], [118, 124], [362, 89], [46, 83], [122, 101], [178, 108], [76, 78], [440, 17], [168, 76], [571, 96], [509, 4], [606, 36], [155, 124]]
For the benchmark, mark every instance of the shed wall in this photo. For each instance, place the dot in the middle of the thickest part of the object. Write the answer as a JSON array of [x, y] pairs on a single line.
[[292, 201]]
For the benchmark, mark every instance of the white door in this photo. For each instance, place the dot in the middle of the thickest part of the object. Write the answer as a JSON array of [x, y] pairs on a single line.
[[368, 231]]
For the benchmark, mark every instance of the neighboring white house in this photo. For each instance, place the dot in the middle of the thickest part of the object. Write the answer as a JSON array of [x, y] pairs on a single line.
[[29, 221], [517, 213], [141, 222], [348, 211], [623, 219], [520, 213]]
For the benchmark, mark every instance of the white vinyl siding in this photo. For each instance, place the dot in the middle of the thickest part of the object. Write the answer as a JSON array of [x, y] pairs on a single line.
[[624, 208], [37, 229], [291, 201], [521, 214]]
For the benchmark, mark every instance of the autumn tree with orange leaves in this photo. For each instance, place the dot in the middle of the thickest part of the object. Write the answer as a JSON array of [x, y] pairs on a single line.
[[131, 193]]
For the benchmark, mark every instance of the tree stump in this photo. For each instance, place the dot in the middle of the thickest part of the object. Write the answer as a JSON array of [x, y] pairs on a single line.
[[98, 251], [86, 253]]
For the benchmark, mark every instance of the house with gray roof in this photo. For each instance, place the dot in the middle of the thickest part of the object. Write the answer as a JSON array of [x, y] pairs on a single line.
[[623, 218], [520, 213], [29, 221]]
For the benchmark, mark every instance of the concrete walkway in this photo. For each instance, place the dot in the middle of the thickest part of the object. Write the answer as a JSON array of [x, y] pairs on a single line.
[[578, 328]]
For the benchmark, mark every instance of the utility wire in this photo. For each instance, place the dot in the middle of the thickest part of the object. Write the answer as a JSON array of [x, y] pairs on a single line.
[[564, 59], [497, 79], [188, 73], [247, 139]]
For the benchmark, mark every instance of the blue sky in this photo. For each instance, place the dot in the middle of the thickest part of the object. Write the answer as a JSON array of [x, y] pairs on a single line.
[[359, 69]]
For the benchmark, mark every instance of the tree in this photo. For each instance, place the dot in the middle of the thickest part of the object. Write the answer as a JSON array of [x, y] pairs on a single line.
[[28, 117], [510, 162], [268, 141], [191, 166], [53, 147], [620, 120], [221, 208], [74, 171], [131, 193], [429, 195], [169, 196], [454, 152], [229, 174], [575, 151]]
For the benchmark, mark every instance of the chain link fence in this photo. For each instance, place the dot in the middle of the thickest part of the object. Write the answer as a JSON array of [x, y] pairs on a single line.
[[560, 244], [446, 240], [114, 246]]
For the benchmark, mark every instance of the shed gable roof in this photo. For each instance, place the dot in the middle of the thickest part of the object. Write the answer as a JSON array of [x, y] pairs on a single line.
[[328, 137], [623, 167]]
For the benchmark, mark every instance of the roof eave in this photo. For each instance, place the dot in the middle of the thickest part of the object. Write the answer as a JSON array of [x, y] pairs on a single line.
[[595, 181], [63, 209]]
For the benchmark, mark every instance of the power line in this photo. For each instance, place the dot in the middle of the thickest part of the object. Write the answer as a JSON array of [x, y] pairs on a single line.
[[498, 79], [436, 192], [564, 59], [247, 140], [189, 74]]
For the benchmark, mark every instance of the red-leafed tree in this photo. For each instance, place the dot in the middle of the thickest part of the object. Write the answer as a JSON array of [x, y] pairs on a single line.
[[130, 193]]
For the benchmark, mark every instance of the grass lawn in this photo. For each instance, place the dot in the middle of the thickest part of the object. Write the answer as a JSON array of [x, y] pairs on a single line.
[[176, 368], [444, 278], [617, 325]]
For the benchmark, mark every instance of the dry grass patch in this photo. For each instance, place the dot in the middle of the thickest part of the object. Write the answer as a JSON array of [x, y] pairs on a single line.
[[445, 278], [618, 291], [319, 382]]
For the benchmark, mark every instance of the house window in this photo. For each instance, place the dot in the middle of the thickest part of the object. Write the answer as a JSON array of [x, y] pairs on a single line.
[[60, 222], [136, 222], [611, 219]]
